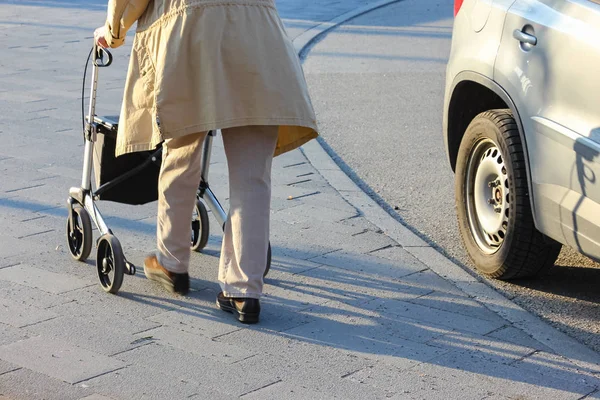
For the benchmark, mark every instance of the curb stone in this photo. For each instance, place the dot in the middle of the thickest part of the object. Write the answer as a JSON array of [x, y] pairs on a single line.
[[472, 285]]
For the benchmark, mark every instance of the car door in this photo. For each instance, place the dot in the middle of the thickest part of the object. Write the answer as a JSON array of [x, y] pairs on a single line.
[[549, 63]]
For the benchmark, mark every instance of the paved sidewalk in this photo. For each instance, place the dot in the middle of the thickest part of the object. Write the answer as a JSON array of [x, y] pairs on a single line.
[[349, 313]]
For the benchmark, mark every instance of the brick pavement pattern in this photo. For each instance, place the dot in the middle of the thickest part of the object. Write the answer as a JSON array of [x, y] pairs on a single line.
[[348, 312]]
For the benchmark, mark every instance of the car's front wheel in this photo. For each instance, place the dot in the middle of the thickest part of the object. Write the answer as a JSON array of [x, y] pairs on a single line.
[[492, 199]]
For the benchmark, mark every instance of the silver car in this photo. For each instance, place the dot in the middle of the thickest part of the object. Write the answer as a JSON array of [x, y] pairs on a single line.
[[522, 131]]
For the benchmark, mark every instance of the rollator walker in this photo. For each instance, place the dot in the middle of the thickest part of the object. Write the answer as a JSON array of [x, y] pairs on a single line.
[[129, 179]]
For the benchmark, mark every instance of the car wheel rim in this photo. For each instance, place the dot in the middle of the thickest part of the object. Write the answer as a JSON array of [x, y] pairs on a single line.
[[487, 196]]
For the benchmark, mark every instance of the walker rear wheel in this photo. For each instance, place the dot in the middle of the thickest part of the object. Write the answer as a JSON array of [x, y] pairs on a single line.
[[110, 263], [79, 234], [268, 261], [200, 227]]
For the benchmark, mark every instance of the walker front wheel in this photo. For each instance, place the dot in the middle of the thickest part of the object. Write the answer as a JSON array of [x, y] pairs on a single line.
[[110, 263]]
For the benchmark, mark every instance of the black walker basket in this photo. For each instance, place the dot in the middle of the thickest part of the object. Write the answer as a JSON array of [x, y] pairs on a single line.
[[130, 178]]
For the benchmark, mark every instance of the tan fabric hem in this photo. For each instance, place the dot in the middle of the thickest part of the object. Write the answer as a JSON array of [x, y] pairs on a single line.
[[133, 148], [237, 293], [294, 145], [238, 122]]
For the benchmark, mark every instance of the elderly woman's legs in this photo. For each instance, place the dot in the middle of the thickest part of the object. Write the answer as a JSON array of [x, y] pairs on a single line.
[[249, 153], [243, 261], [177, 185]]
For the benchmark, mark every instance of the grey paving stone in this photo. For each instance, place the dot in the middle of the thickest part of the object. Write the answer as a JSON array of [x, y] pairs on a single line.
[[517, 336], [6, 367], [274, 317], [288, 265], [499, 378], [203, 346], [368, 264], [294, 357], [314, 224], [32, 296], [10, 261], [408, 384], [24, 384], [332, 283], [171, 372], [132, 304], [17, 206], [316, 194], [10, 246], [19, 315], [58, 359], [58, 261], [10, 334], [482, 346], [367, 320], [303, 212], [19, 171], [277, 315], [284, 245], [440, 264], [459, 304], [360, 222], [552, 365], [368, 341], [25, 172], [434, 316], [41, 279], [428, 279], [396, 253], [138, 382], [595, 395], [398, 232], [319, 385], [41, 229], [95, 397], [289, 295], [342, 182], [195, 322], [289, 391], [71, 173], [103, 333]]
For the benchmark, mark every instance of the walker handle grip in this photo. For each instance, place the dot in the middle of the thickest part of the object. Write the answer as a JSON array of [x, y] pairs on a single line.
[[99, 54]]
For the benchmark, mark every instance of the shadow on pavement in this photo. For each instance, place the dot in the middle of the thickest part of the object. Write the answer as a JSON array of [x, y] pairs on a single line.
[[372, 308]]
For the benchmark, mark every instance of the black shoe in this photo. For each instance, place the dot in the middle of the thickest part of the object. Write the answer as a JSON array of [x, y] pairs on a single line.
[[174, 283], [247, 309]]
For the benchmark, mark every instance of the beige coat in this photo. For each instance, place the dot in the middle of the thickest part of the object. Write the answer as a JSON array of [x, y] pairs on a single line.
[[199, 65]]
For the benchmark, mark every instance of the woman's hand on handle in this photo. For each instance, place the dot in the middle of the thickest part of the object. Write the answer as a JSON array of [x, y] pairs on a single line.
[[100, 37]]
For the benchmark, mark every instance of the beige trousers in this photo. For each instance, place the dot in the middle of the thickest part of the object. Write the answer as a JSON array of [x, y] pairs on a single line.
[[249, 152]]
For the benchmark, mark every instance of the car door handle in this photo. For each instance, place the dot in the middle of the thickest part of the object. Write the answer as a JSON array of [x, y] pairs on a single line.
[[524, 37]]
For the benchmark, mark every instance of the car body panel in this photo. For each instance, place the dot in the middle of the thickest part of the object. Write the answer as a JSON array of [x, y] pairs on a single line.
[[556, 87], [475, 40]]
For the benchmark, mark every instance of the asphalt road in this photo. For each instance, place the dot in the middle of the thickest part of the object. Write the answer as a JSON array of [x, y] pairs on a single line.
[[377, 84]]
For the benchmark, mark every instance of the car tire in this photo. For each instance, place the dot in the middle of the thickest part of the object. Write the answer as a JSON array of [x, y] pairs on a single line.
[[492, 199]]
